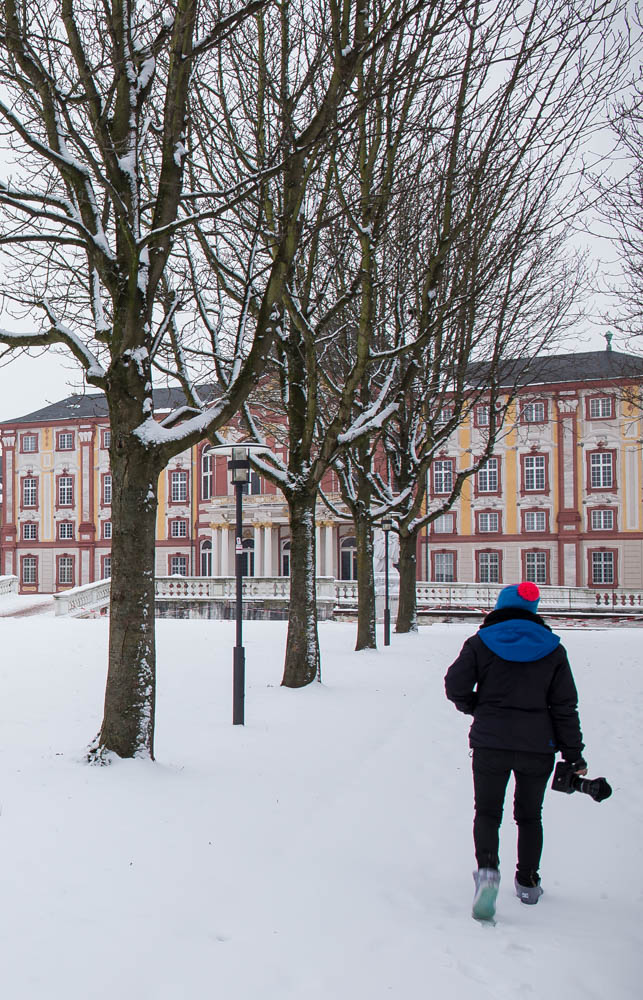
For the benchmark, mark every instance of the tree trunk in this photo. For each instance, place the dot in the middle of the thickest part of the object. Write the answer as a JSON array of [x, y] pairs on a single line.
[[407, 607], [128, 721], [302, 645], [366, 635]]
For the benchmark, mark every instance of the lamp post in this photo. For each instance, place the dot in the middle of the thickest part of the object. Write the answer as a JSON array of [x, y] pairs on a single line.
[[239, 467], [387, 524]]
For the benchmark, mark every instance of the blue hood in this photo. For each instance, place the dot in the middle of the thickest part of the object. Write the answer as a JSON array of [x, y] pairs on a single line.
[[519, 640]]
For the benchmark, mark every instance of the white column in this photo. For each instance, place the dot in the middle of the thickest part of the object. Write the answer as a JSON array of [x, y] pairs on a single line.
[[317, 551], [267, 550], [225, 548], [216, 547], [329, 567], [258, 537]]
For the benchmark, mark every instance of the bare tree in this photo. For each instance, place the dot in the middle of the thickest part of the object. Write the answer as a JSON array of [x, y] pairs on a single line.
[[95, 108], [485, 271], [324, 343]]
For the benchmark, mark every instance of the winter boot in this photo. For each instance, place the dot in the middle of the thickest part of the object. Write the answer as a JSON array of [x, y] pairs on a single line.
[[528, 887], [487, 882]]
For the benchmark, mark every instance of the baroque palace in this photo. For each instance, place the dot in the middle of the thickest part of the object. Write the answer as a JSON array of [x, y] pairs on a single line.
[[559, 502]]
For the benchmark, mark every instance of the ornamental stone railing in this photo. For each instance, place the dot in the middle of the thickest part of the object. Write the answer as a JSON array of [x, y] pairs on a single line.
[[215, 596], [8, 585], [207, 596]]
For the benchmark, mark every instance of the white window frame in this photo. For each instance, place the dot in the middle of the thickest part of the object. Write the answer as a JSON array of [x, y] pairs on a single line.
[[536, 567], [107, 529], [603, 566], [535, 516], [63, 438], [177, 561], [443, 474], [444, 524], [207, 476], [179, 528], [29, 570], [68, 533], [65, 570], [489, 567], [444, 567], [30, 531], [488, 476], [485, 517], [30, 491], [598, 410], [179, 486], [598, 518], [601, 470], [66, 491], [535, 467], [29, 443], [533, 413]]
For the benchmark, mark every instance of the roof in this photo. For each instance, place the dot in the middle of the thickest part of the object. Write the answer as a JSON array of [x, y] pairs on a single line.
[[588, 366], [85, 406]]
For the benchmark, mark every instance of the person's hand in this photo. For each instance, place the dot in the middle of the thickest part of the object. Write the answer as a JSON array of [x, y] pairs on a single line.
[[582, 771]]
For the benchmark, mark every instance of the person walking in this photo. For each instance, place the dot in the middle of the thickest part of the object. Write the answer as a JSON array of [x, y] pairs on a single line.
[[514, 677]]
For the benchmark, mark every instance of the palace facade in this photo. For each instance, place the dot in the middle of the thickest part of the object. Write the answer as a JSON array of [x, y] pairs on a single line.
[[559, 502]]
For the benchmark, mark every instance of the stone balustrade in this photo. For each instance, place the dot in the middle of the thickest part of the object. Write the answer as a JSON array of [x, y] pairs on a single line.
[[269, 597], [8, 585]]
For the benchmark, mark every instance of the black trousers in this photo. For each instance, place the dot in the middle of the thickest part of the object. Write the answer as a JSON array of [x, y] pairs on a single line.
[[491, 771]]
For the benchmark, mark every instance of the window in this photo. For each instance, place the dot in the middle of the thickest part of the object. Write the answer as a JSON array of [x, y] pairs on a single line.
[[254, 487], [179, 528], [487, 478], [602, 567], [30, 532], [536, 566], [178, 486], [207, 470], [29, 570], [107, 438], [443, 475], [29, 442], [65, 530], [533, 413], [444, 524], [488, 567], [601, 470], [107, 529], [178, 565], [65, 491], [444, 567], [248, 557], [488, 521], [601, 407], [30, 491], [443, 415], [348, 558], [602, 520], [65, 570], [106, 567], [285, 557], [65, 441], [534, 473], [206, 558], [535, 520], [481, 415], [107, 489]]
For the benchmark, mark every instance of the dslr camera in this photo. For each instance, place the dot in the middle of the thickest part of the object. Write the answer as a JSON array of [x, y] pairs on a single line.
[[566, 780]]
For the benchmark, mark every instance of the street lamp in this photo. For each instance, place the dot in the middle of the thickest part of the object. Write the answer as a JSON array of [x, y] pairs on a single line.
[[239, 467], [387, 524]]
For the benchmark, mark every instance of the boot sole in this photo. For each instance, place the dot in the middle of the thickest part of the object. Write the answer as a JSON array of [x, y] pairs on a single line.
[[484, 907]]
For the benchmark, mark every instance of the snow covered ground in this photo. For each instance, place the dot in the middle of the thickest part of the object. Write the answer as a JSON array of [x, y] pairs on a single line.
[[321, 852]]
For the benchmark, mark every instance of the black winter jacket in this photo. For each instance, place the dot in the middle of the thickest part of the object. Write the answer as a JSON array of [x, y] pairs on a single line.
[[517, 704]]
